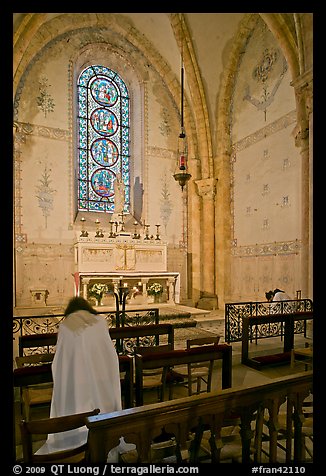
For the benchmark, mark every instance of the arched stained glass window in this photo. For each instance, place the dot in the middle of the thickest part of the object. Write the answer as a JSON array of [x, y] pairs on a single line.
[[103, 138]]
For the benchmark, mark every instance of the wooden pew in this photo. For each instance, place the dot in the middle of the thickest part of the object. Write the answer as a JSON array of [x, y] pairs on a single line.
[[287, 320], [46, 340], [136, 334], [169, 360], [41, 374], [140, 425], [39, 393], [119, 334]]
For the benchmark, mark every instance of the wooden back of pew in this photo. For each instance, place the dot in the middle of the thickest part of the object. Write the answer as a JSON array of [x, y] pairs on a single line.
[[33, 341], [137, 332], [140, 425], [30, 373], [167, 360]]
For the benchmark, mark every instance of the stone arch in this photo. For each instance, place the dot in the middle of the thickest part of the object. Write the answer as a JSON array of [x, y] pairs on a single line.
[[284, 32]]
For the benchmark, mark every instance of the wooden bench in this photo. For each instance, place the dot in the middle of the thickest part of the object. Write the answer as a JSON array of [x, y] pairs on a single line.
[[171, 359], [129, 337], [41, 375], [142, 424], [45, 340], [33, 376], [287, 321]]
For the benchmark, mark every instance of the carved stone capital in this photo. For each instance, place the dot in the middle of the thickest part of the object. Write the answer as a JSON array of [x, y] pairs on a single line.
[[206, 188], [19, 138]]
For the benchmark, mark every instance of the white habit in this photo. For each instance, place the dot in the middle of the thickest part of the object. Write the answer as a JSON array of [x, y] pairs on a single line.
[[281, 296], [86, 375]]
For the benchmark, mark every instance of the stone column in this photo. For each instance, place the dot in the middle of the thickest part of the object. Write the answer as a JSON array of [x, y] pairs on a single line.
[[85, 283], [19, 139], [303, 139], [170, 285], [207, 191], [144, 283], [116, 284]]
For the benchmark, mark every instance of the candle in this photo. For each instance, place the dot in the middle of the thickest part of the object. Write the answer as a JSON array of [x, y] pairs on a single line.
[[182, 162]]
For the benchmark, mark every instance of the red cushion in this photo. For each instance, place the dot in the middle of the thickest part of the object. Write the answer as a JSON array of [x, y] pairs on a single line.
[[273, 358], [45, 335], [33, 369]]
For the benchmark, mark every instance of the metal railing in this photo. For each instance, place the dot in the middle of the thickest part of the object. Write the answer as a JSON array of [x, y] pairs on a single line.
[[234, 312]]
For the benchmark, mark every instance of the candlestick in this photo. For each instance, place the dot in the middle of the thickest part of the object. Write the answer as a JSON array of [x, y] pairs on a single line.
[[83, 231], [157, 232], [99, 233], [146, 233], [112, 235], [136, 235]]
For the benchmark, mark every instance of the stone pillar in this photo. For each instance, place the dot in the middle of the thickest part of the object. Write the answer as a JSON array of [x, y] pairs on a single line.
[[144, 282], [207, 191], [85, 283], [170, 285], [303, 139], [116, 284]]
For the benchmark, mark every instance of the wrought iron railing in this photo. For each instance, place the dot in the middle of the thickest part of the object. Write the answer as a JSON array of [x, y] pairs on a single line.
[[49, 323], [27, 325], [235, 311]]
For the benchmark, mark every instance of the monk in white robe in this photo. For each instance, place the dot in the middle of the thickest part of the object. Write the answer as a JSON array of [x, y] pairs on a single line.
[[280, 295], [85, 372]]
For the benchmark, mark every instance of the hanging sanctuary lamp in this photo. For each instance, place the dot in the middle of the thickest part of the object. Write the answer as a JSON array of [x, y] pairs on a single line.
[[182, 176]]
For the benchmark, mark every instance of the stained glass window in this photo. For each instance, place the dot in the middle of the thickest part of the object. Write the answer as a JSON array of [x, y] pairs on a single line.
[[103, 138]]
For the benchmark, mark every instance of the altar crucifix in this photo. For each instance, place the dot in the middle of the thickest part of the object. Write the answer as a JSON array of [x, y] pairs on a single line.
[[122, 223]]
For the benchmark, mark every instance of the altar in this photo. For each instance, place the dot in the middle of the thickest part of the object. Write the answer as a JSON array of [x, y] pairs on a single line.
[[123, 261]]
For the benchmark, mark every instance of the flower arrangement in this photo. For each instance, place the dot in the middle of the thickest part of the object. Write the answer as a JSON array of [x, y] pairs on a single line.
[[97, 290], [155, 289]]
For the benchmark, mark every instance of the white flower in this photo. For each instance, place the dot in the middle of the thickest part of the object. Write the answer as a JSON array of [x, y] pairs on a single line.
[[155, 289], [98, 289]]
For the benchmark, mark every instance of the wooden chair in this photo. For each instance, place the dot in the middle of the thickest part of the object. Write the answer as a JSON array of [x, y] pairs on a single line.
[[171, 360], [30, 429], [37, 391], [285, 430], [126, 366], [199, 372], [153, 378], [302, 355]]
